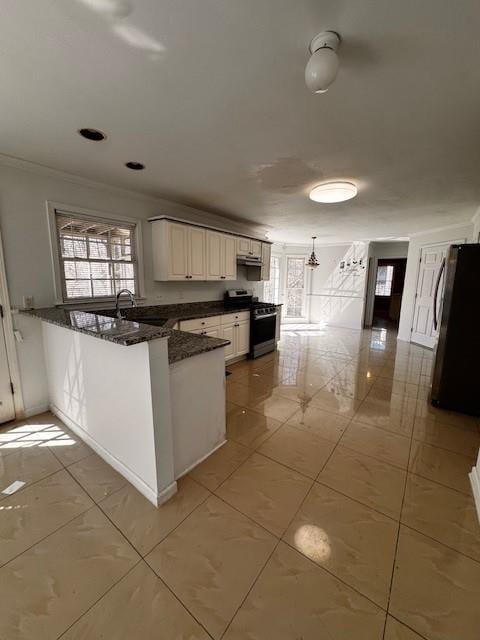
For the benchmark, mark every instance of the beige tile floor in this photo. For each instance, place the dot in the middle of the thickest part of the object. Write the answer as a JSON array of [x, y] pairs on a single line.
[[338, 509]]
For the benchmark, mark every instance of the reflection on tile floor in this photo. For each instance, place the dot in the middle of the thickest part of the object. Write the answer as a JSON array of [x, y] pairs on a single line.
[[339, 508]]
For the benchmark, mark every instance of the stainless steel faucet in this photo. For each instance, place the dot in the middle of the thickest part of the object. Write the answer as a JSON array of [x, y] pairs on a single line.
[[132, 300]]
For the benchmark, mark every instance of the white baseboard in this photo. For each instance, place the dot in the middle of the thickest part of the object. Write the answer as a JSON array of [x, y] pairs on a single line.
[[474, 476], [35, 411], [149, 493], [192, 466]]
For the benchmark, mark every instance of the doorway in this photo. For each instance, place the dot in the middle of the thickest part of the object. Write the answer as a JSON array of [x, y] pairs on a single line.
[[389, 283]]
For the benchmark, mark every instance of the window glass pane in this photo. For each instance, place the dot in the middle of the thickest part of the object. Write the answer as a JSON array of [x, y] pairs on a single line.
[[272, 286], [383, 285], [97, 256], [295, 287], [78, 288]]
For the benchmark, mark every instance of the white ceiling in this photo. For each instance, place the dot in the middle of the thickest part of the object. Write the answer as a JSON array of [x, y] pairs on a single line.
[[210, 96]]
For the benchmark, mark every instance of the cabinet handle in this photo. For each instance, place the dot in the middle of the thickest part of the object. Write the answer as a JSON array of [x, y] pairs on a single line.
[[222, 277], [202, 323], [236, 325]]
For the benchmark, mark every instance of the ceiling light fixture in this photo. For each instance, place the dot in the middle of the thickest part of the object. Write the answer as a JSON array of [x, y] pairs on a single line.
[[322, 67], [312, 262], [330, 192], [135, 166], [92, 134]]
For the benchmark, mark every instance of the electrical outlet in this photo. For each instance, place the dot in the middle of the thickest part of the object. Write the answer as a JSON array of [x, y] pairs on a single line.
[[27, 302]]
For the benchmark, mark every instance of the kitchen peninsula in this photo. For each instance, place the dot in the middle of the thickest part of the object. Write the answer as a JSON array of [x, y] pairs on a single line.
[[150, 400]]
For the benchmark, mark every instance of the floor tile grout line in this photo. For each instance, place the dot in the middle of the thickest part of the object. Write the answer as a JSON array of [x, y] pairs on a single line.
[[447, 546], [177, 598], [30, 484], [334, 575], [445, 486], [278, 541], [50, 533], [389, 595], [140, 553], [98, 599], [407, 626]]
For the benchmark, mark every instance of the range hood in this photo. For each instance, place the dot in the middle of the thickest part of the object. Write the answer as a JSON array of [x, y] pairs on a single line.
[[249, 261]]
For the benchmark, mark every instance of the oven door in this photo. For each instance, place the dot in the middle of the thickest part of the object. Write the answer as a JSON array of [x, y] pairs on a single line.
[[263, 329]]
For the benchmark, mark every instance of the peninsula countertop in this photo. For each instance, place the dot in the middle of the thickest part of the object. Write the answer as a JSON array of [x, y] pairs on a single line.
[[126, 332]]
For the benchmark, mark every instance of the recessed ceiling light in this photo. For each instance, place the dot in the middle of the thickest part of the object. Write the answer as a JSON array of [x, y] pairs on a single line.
[[92, 134], [135, 166], [333, 192]]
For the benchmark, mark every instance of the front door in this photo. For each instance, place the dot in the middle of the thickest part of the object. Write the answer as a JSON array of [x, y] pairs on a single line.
[[7, 408], [431, 258]]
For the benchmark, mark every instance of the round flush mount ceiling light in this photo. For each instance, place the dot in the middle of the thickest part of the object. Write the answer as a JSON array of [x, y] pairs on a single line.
[[135, 166], [322, 68], [333, 192], [92, 134]]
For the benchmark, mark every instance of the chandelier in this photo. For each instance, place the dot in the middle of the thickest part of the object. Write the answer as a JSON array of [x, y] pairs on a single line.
[[312, 262]]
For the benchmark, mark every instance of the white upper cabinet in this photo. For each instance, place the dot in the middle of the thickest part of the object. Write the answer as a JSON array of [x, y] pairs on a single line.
[[197, 253], [221, 256], [214, 255], [256, 248], [243, 246], [229, 257], [249, 247], [178, 251], [266, 257], [184, 251]]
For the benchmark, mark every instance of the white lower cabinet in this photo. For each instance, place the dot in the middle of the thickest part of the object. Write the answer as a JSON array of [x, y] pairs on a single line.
[[234, 327], [242, 338], [228, 333]]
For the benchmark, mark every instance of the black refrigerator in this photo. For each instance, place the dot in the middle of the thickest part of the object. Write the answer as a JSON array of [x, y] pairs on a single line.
[[456, 373]]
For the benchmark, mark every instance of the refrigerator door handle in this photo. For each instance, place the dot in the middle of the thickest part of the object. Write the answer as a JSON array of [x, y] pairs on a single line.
[[435, 295]]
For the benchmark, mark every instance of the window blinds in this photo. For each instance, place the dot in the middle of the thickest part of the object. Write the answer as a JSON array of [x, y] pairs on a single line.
[[97, 257]]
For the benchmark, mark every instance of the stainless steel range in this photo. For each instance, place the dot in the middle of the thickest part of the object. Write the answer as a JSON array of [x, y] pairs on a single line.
[[263, 320]]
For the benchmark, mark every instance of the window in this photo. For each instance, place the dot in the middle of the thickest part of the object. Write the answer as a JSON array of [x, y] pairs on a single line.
[[295, 289], [271, 291], [97, 257], [383, 286]]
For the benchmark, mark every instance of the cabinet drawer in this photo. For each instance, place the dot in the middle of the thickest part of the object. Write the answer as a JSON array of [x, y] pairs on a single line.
[[199, 323], [232, 318]]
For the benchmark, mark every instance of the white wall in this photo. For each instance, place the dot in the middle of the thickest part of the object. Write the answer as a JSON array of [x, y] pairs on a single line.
[[336, 297], [24, 191], [451, 234]]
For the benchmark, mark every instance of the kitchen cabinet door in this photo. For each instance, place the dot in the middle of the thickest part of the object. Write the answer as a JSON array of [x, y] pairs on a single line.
[[215, 255], [266, 257], [196, 254], [256, 248], [178, 248], [243, 246], [229, 258], [228, 333], [242, 338]]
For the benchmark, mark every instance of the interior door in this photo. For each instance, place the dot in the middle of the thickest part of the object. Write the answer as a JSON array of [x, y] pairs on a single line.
[[7, 408], [431, 259]]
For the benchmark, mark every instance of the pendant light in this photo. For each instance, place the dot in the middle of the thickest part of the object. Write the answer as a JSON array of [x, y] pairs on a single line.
[[312, 262]]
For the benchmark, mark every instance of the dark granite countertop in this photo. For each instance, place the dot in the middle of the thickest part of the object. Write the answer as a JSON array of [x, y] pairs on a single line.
[[169, 314], [126, 332]]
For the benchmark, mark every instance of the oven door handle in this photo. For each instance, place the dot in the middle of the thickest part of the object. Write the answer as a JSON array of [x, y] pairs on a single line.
[[267, 315]]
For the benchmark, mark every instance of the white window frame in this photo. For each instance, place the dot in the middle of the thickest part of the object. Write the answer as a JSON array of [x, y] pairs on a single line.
[[52, 209]]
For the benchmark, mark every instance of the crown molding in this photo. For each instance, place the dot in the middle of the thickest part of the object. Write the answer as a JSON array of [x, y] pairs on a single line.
[[447, 227]]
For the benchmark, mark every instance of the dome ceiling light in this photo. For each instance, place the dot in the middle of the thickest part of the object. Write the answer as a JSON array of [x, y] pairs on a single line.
[[322, 68], [312, 262], [330, 192]]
